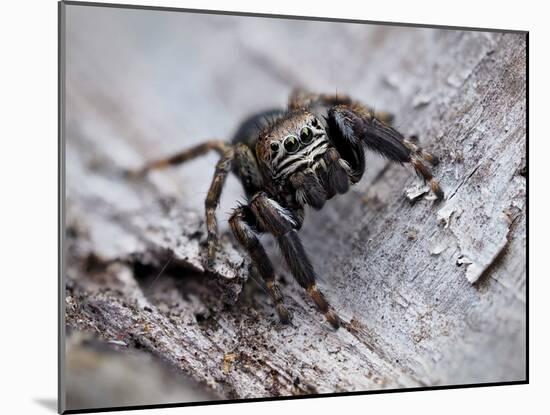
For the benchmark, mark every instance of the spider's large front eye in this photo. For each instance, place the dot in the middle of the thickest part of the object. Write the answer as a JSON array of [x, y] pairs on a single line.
[[291, 144], [306, 135]]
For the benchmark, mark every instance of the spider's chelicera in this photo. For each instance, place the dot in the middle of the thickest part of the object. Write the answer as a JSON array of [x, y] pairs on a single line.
[[286, 160]]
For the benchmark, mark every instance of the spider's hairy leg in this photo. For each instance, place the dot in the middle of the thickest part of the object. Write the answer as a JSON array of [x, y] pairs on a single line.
[[281, 223], [213, 200], [186, 155], [303, 98], [246, 168], [412, 144], [354, 125], [242, 224], [384, 116], [302, 269]]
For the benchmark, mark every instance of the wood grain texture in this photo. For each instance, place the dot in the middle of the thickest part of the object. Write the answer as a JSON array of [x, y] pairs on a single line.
[[431, 294]]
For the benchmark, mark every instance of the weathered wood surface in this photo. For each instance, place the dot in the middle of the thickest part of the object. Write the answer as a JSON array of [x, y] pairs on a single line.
[[432, 294]]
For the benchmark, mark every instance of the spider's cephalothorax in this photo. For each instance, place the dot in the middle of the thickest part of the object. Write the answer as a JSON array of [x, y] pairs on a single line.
[[289, 159], [294, 155]]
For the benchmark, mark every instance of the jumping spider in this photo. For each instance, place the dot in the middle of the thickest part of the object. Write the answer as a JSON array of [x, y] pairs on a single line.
[[286, 160]]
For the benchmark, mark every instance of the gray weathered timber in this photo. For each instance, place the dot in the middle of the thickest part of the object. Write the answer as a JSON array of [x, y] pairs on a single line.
[[431, 294]]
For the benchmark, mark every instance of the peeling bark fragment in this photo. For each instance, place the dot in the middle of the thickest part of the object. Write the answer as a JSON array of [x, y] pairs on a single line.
[[153, 235], [417, 191]]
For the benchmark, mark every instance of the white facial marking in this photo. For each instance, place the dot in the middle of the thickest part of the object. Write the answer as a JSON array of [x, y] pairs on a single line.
[[282, 211], [306, 159], [283, 164], [345, 165]]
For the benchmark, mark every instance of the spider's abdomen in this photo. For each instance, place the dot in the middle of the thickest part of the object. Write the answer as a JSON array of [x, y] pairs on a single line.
[[249, 130]]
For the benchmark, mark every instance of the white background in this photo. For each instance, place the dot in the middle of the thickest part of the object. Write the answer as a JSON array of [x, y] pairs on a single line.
[[28, 215]]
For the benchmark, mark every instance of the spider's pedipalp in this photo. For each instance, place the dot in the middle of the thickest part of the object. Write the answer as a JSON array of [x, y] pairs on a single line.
[[338, 172], [309, 189]]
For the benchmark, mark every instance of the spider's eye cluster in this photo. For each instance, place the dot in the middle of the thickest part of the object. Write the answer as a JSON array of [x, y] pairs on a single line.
[[291, 144], [306, 135]]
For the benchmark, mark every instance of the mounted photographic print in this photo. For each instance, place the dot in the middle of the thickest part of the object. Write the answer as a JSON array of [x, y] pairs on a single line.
[[258, 207]]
